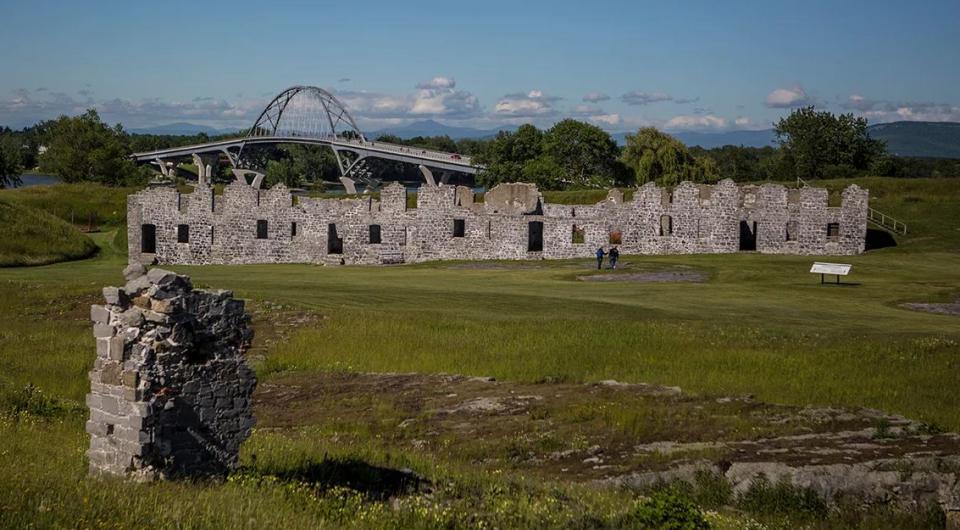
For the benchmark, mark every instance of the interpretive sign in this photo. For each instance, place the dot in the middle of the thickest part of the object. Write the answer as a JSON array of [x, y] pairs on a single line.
[[837, 269]]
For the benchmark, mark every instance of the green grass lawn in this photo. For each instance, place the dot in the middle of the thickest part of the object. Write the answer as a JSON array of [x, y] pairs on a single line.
[[761, 325]]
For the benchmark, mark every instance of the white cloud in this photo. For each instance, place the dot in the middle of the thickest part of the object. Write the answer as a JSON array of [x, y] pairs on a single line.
[[435, 98], [610, 120], [696, 122], [644, 98], [533, 104], [785, 98], [595, 97], [586, 110], [886, 111], [438, 83], [742, 121]]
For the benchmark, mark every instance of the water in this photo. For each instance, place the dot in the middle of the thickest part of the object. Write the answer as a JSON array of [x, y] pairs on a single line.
[[38, 180]]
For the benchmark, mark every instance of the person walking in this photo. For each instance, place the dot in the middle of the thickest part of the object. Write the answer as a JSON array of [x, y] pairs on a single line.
[[600, 255], [614, 256]]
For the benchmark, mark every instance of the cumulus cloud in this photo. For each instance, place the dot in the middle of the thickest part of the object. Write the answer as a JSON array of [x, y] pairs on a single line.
[[533, 104], [644, 98], [435, 98], [696, 122], [785, 98], [595, 97], [885, 111], [743, 121]]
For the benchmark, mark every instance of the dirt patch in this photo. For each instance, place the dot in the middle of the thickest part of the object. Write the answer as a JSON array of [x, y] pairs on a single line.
[[648, 277], [943, 309]]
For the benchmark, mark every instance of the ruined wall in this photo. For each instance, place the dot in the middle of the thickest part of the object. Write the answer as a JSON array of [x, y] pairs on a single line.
[[246, 225], [169, 390]]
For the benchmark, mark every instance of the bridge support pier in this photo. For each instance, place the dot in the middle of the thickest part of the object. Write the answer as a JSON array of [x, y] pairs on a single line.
[[427, 176], [206, 166], [349, 185]]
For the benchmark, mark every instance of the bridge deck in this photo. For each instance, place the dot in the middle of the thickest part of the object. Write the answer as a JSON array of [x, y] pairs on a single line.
[[401, 153]]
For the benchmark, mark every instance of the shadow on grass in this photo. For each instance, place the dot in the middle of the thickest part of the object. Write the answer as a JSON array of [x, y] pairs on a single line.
[[374, 482]]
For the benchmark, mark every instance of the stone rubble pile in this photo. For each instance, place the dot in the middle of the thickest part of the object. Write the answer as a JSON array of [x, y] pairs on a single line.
[[170, 389]]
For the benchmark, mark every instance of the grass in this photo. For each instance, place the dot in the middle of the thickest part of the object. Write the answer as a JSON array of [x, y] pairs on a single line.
[[86, 204], [33, 237], [760, 325]]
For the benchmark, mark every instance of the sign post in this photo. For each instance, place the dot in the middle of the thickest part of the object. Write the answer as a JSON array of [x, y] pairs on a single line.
[[837, 269]]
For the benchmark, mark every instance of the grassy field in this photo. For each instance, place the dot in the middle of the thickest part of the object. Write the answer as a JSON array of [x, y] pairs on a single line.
[[760, 325]]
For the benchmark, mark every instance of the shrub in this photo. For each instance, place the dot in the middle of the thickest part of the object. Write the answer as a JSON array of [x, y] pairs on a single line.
[[667, 511]]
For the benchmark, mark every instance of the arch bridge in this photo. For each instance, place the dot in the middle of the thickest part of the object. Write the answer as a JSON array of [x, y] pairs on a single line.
[[308, 115]]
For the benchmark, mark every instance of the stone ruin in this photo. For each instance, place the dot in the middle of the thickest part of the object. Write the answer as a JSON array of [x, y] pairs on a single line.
[[170, 391], [512, 221]]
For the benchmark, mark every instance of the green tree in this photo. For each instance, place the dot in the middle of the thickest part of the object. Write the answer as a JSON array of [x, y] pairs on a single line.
[[505, 155], [818, 143], [84, 148], [11, 159], [586, 154], [655, 156]]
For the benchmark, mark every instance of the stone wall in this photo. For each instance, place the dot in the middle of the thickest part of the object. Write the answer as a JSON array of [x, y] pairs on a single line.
[[170, 389], [247, 225]]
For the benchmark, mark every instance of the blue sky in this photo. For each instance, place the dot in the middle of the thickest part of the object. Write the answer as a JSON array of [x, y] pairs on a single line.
[[677, 65]]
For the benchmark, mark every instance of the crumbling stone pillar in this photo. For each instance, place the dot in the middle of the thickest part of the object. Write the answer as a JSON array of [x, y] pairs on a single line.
[[170, 389]]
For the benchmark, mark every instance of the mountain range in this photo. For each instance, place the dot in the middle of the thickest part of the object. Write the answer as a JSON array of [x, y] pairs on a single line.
[[904, 138]]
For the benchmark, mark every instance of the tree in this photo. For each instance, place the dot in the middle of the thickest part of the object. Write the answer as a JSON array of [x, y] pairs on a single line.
[[655, 156], [821, 143], [505, 155], [11, 159], [585, 153], [84, 148]]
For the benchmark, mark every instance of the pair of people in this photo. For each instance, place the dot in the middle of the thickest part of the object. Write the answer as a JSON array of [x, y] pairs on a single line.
[[614, 255]]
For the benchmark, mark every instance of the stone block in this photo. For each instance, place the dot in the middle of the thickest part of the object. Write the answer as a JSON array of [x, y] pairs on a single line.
[[110, 375], [99, 314], [130, 378], [160, 276], [133, 271], [103, 331], [131, 318], [114, 296]]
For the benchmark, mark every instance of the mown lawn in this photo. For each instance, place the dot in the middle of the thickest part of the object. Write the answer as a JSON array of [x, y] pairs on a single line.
[[760, 325]]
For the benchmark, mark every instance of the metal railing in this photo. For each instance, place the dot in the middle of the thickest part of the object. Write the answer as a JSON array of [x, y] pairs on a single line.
[[885, 221]]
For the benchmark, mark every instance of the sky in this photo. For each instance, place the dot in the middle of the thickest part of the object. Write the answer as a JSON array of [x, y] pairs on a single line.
[[681, 65]]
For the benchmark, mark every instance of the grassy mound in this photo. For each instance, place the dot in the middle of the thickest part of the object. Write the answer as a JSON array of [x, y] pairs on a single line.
[[33, 237], [82, 204]]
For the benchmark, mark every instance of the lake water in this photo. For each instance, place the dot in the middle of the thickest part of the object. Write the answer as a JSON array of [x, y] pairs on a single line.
[[38, 180]]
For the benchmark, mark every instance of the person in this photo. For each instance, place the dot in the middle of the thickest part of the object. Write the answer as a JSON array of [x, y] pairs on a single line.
[[614, 256], [600, 255]]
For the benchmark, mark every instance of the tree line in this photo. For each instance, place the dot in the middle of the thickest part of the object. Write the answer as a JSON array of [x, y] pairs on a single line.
[[569, 155]]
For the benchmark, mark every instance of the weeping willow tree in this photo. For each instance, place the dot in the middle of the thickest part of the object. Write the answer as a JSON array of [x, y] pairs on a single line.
[[655, 156]]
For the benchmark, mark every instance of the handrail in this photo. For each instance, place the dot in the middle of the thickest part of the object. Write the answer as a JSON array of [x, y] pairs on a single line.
[[885, 221]]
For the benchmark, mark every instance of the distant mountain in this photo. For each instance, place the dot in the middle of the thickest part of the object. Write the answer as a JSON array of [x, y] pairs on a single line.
[[181, 129], [920, 138], [433, 128]]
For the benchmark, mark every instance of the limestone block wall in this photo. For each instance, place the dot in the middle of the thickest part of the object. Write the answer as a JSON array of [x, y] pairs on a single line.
[[246, 225], [170, 389]]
